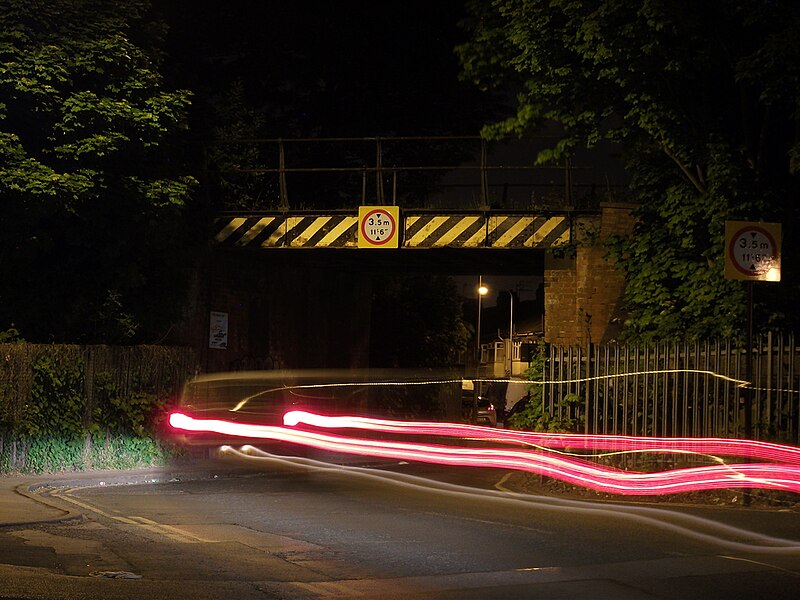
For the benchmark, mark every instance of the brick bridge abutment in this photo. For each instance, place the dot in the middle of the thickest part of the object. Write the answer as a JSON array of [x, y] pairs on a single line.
[[583, 287]]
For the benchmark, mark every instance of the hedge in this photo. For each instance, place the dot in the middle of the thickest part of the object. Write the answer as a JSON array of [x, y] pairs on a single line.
[[68, 407]]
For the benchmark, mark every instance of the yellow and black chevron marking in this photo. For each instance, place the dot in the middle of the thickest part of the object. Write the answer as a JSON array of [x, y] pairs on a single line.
[[476, 230], [437, 231], [494, 231], [279, 231], [514, 231]]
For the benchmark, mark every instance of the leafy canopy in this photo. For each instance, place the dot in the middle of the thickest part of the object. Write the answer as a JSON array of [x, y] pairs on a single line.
[[91, 196], [704, 98], [419, 322]]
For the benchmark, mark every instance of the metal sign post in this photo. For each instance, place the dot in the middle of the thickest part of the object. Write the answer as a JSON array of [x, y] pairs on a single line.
[[748, 366], [752, 253]]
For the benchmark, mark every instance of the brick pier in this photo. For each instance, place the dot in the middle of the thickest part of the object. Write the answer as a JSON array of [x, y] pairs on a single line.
[[583, 289]]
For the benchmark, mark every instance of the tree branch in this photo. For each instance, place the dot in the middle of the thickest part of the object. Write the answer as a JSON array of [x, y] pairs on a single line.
[[696, 181], [761, 146]]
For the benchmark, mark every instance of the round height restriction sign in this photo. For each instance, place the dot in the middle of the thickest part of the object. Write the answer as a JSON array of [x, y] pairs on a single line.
[[377, 227], [753, 251]]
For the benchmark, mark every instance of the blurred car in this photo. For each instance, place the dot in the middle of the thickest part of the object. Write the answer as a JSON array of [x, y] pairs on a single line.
[[486, 412]]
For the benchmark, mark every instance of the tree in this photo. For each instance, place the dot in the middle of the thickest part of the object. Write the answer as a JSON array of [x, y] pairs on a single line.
[[92, 193], [322, 70], [416, 322], [704, 99], [227, 161]]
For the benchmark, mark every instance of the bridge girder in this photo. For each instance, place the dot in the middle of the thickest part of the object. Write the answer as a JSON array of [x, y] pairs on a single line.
[[417, 229]]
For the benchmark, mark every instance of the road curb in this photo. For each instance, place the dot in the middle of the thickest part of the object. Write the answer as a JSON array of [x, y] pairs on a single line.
[[24, 490], [36, 491]]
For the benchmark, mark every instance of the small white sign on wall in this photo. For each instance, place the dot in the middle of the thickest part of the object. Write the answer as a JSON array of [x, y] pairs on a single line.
[[218, 330]]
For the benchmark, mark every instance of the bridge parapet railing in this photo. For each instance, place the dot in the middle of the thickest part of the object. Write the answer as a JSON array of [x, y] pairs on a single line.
[[444, 173]]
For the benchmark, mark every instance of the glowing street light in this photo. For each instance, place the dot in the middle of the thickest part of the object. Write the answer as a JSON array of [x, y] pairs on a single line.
[[482, 291], [509, 357]]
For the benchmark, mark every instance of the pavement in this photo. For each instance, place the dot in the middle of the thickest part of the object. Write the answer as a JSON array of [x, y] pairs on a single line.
[[22, 503]]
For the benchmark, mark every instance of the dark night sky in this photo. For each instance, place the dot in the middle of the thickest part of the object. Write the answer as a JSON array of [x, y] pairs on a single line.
[[337, 69], [349, 68]]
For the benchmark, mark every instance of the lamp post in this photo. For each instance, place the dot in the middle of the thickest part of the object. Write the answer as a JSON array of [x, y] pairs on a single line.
[[510, 332], [482, 291]]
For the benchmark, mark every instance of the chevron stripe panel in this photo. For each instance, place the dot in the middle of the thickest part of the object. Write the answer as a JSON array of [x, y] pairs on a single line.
[[318, 231], [474, 231], [515, 231], [436, 231], [321, 231], [420, 231]]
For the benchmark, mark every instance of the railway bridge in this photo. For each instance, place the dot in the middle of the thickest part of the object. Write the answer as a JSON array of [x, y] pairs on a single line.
[[559, 240]]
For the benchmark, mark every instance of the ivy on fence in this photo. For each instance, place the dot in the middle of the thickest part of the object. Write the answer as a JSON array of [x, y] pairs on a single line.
[[78, 407]]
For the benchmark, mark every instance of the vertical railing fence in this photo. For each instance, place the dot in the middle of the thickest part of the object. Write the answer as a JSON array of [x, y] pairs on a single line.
[[429, 172], [677, 389]]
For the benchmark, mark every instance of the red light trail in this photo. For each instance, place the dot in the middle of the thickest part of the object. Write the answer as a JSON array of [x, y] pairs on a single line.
[[616, 443], [783, 475]]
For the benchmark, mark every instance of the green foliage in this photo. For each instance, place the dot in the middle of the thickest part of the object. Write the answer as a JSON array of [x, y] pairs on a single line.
[[535, 416], [48, 453], [704, 98], [93, 197], [10, 335], [64, 422], [57, 404], [126, 451], [53, 453], [115, 412], [419, 320]]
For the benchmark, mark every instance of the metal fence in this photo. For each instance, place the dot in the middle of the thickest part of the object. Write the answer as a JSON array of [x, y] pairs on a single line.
[[128, 370], [677, 389]]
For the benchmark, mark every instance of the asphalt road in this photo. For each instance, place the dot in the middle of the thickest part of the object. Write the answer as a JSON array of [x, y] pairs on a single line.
[[283, 531]]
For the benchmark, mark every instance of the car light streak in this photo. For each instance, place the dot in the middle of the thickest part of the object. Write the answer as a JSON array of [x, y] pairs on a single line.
[[751, 449], [416, 382], [579, 472]]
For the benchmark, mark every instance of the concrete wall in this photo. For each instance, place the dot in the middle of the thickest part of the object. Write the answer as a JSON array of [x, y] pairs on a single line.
[[583, 289]]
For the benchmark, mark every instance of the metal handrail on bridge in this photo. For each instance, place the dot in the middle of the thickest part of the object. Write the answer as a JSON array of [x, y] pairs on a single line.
[[381, 171]]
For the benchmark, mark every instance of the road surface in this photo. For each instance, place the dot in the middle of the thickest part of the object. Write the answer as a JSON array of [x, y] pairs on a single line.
[[297, 532]]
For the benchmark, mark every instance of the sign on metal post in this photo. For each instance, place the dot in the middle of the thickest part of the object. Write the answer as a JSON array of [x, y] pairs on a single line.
[[218, 330], [752, 251], [378, 226]]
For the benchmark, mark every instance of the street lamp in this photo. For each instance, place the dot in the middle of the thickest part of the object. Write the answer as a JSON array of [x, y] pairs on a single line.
[[510, 332], [482, 291]]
